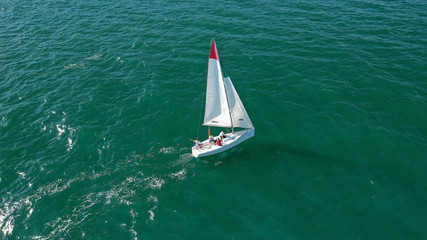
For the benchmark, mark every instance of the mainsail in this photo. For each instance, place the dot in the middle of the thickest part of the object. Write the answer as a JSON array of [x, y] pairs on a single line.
[[223, 105]]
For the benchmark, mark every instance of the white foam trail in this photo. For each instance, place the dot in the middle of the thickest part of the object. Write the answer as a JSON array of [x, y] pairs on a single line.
[[8, 214], [153, 200], [156, 183], [30, 212], [181, 175], [21, 174], [95, 57], [133, 214], [60, 130], [8, 227], [70, 144], [151, 215], [167, 150], [74, 65]]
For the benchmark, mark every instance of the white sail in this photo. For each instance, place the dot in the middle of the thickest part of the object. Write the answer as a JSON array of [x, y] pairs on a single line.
[[216, 109], [239, 116], [223, 105]]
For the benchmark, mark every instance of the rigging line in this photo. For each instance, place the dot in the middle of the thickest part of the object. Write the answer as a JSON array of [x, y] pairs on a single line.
[[201, 111], [204, 96]]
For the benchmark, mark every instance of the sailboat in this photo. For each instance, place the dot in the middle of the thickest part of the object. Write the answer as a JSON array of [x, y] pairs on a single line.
[[224, 109]]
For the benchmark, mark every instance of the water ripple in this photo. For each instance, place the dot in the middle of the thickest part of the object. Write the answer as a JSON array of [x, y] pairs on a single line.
[[98, 100]]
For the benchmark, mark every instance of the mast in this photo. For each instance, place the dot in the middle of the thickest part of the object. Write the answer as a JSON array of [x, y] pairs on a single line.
[[229, 110], [226, 96]]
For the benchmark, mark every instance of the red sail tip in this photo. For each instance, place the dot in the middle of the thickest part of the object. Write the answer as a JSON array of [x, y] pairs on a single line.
[[214, 53]]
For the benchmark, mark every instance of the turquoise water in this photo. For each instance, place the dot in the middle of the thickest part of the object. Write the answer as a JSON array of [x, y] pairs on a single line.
[[99, 98]]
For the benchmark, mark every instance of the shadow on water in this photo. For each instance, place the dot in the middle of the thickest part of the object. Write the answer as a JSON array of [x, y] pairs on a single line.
[[355, 166], [277, 151]]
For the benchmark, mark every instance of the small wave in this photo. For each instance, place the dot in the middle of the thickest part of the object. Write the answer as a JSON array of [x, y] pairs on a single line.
[[180, 175], [151, 215], [167, 150], [30, 212], [152, 200], [22, 174], [8, 227], [95, 57], [68, 131], [74, 66], [7, 214], [60, 130], [70, 144], [54, 187], [3, 122], [156, 183], [183, 159]]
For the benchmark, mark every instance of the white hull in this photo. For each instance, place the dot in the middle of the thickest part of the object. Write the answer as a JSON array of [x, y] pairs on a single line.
[[231, 140]]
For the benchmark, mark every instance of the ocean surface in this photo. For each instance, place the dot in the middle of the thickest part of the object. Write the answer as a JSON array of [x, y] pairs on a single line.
[[98, 100]]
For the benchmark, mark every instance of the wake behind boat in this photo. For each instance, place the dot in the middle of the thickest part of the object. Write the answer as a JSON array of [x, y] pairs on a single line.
[[223, 108]]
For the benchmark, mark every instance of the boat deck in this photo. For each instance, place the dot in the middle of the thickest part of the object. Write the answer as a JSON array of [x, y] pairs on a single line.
[[230, 140]]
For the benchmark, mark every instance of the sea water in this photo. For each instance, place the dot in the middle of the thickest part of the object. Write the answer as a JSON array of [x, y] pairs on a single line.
[[98, 100]]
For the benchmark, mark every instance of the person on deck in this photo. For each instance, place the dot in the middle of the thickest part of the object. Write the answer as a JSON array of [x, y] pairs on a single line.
[[221, 135], [197, 143], [219, 142], [212, 140]]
